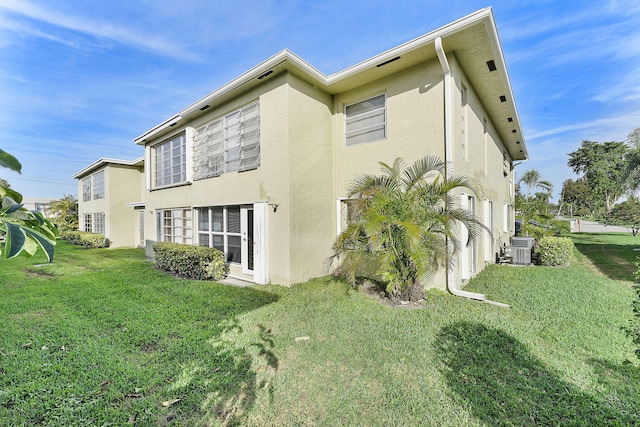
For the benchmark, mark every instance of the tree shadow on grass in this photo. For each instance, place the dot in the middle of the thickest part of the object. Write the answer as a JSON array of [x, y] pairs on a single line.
[[221, 384], [503, 384], [616, 261]]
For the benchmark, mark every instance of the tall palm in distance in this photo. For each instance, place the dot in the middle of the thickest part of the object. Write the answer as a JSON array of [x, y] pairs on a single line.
[[65, 213], [533, 179]]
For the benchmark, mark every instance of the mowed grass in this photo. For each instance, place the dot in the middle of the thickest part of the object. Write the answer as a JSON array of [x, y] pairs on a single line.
[[102, 338]]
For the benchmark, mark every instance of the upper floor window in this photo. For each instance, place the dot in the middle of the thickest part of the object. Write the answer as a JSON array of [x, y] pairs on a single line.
[[228, 144], [171, 161], [366, 121], [98, 185], [86, 189], [94, 182]]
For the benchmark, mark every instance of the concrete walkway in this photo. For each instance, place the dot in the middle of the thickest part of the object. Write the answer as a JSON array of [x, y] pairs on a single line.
[[584, 226]]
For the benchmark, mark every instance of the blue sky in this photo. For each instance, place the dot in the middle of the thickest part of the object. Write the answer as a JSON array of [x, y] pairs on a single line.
[[79, 80]]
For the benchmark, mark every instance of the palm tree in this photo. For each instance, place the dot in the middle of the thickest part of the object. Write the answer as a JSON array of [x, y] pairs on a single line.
[[533, 180], [65, 212], [405, 222]]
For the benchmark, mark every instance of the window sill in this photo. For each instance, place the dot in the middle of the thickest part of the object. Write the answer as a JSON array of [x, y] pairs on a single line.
[[181, 184]]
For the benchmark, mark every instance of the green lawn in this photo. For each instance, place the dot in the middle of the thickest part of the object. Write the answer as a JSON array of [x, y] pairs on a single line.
[[102, 338]]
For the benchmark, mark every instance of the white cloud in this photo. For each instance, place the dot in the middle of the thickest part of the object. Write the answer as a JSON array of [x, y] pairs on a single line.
[[17, 27], [607, 129], [91, 27]]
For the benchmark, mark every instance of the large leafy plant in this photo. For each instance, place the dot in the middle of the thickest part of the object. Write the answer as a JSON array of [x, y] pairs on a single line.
[[21, 230], [405, 223]]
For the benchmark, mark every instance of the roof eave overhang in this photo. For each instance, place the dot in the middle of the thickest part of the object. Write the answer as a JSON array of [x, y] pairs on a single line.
[[100, 163], [401, 57]]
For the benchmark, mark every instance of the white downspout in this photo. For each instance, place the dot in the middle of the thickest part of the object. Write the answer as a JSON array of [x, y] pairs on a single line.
[[448, 149]]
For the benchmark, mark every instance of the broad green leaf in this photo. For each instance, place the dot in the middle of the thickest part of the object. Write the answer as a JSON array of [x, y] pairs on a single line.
[[8, 161], [13, 208], [30, 247], [45, 243], [14, 240], [15, 196]]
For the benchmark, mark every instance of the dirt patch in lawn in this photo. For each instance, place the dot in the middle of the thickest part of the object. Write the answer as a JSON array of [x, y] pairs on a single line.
[[374, 291], [31, 273]]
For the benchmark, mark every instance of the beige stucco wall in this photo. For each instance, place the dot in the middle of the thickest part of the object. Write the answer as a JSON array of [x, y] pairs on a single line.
[[268, 183], [123, 184], [295, 173], [91, 206], [415, 123], [311, 180], [415, 128], [483, 157], [305, 164]]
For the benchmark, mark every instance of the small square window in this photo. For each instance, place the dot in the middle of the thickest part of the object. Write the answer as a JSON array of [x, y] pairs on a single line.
[[366, 121]]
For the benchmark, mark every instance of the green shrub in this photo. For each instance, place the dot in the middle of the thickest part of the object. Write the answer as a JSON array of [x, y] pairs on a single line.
[[555, 250], [560, 227], [84, 239], [193, 262]]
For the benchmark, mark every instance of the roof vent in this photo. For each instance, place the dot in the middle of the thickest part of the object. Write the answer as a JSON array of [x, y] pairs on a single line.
[[491, 65], [265, 74], [382, 64], [503, 98], [205, 107]]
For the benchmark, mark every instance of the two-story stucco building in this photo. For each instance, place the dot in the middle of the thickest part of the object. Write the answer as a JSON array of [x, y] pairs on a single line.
[[259, 167], [110, 200]]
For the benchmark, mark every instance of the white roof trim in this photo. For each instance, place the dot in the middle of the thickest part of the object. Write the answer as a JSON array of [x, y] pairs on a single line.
[[106, 161], [451, 28], [291, 61]]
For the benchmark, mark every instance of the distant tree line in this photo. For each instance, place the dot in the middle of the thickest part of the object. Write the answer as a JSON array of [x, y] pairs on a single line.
[[607, 172]]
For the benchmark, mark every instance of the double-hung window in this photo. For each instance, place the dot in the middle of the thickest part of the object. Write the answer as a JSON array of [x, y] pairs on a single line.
[[171, 161], [220, 228], [228, 144], [98, 185], [366, 121]]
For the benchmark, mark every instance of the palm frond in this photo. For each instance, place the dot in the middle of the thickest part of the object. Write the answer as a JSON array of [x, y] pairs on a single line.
[[407, 220]]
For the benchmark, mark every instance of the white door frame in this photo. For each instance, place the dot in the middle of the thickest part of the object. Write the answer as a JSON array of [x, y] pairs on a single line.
[[247, 221], [260, 257]]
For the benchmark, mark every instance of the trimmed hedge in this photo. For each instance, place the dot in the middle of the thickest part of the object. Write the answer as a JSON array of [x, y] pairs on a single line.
[[192, 262], [84, 239], [555, 250]]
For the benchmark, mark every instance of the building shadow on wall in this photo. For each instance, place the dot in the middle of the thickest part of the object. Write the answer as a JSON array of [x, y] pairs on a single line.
[[503, 384]]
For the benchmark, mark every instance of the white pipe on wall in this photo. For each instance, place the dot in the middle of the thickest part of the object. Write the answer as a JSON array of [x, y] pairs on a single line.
[[448, 150]]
